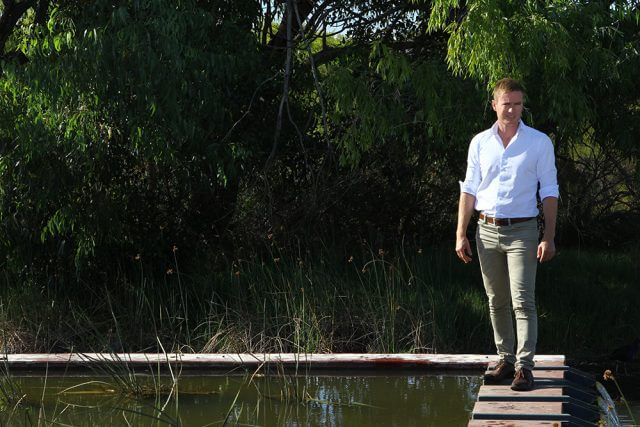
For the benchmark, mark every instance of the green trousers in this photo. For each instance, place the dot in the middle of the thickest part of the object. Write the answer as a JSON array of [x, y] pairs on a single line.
[[508, 262]]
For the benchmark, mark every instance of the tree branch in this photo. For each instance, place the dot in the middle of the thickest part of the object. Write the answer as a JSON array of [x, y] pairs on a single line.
[[12, 13], [330, 53], [280, 38], [285, 86]]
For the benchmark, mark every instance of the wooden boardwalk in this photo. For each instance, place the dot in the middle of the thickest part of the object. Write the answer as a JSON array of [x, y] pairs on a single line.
[[562, 396]]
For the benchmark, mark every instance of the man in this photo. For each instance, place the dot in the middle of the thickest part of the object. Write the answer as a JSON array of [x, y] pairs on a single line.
[[504, 167]]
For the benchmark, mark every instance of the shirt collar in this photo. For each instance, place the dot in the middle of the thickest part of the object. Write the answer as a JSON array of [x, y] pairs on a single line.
[[521, 126]]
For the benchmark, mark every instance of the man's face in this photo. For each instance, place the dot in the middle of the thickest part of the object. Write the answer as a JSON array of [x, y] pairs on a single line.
[[508, 107]]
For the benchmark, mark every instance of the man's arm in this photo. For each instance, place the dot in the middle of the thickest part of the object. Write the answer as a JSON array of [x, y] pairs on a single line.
[[465, 210], [547, 246]]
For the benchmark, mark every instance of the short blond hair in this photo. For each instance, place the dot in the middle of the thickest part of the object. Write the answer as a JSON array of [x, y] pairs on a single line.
[[507, 85]]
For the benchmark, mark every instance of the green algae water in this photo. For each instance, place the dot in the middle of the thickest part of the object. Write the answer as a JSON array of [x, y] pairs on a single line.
[[260, 400]]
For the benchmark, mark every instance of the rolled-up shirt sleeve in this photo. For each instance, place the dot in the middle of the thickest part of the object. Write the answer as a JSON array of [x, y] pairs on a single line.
[[546, 170], [472, 178]]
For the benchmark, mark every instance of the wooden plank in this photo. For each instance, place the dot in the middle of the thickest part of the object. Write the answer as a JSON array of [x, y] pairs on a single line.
[[570, 406], [517, 408], [515, 423], [257, 360], [540, 374], [500, 390], [555, 362], [531, 411], [567, 395], [550, 361]]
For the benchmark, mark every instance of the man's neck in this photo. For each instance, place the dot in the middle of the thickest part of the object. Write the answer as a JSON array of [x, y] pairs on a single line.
[[507, 133]]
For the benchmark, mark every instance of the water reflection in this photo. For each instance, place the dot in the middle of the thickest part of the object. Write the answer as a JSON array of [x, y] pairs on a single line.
[[390, 399]]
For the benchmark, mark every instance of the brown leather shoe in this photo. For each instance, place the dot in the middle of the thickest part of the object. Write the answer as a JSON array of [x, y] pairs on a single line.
[[523, 380], [503, 370]]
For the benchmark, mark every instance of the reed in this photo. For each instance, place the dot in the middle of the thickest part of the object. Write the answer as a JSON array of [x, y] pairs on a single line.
[[365, 300], [11, 397]]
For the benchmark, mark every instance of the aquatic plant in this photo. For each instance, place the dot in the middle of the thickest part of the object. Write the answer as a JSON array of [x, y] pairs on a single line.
[[11, 396], [608, 376]]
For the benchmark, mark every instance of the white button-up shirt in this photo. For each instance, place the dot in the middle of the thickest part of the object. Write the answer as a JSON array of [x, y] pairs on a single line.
[[505, 181]]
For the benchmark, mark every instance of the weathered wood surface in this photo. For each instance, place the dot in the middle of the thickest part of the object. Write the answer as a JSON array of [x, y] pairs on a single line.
[[542, 374], [518, 408], [544, 362], [257, 360], [499, 390], [553, 360], [514, 423], [561, 396]]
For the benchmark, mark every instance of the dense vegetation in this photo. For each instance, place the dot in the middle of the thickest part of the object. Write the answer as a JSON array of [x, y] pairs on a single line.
[[137, 133]]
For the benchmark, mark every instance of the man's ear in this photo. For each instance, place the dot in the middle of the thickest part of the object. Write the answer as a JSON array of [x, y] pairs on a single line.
[[493, 104]]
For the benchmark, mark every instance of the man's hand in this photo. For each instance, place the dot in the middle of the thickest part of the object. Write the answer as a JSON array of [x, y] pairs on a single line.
[[463, 249], [546, 250], [465, 210]]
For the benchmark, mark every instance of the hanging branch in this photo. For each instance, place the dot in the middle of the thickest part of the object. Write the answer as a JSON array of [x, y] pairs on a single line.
[[285, 88], [268, 21], [314, 72]]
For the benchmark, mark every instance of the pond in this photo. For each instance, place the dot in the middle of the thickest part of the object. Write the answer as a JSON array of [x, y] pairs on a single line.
[[363, 398], [391, 399]]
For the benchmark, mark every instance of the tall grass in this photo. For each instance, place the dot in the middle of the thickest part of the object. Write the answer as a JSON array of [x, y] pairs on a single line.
[[11, 396], [365, 300]]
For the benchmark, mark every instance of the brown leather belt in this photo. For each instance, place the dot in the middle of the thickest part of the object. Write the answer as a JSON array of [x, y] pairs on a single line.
[[503, 221]]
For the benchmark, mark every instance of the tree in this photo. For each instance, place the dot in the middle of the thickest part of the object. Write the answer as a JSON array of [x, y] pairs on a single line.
[[135, 126], [116, 141]]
